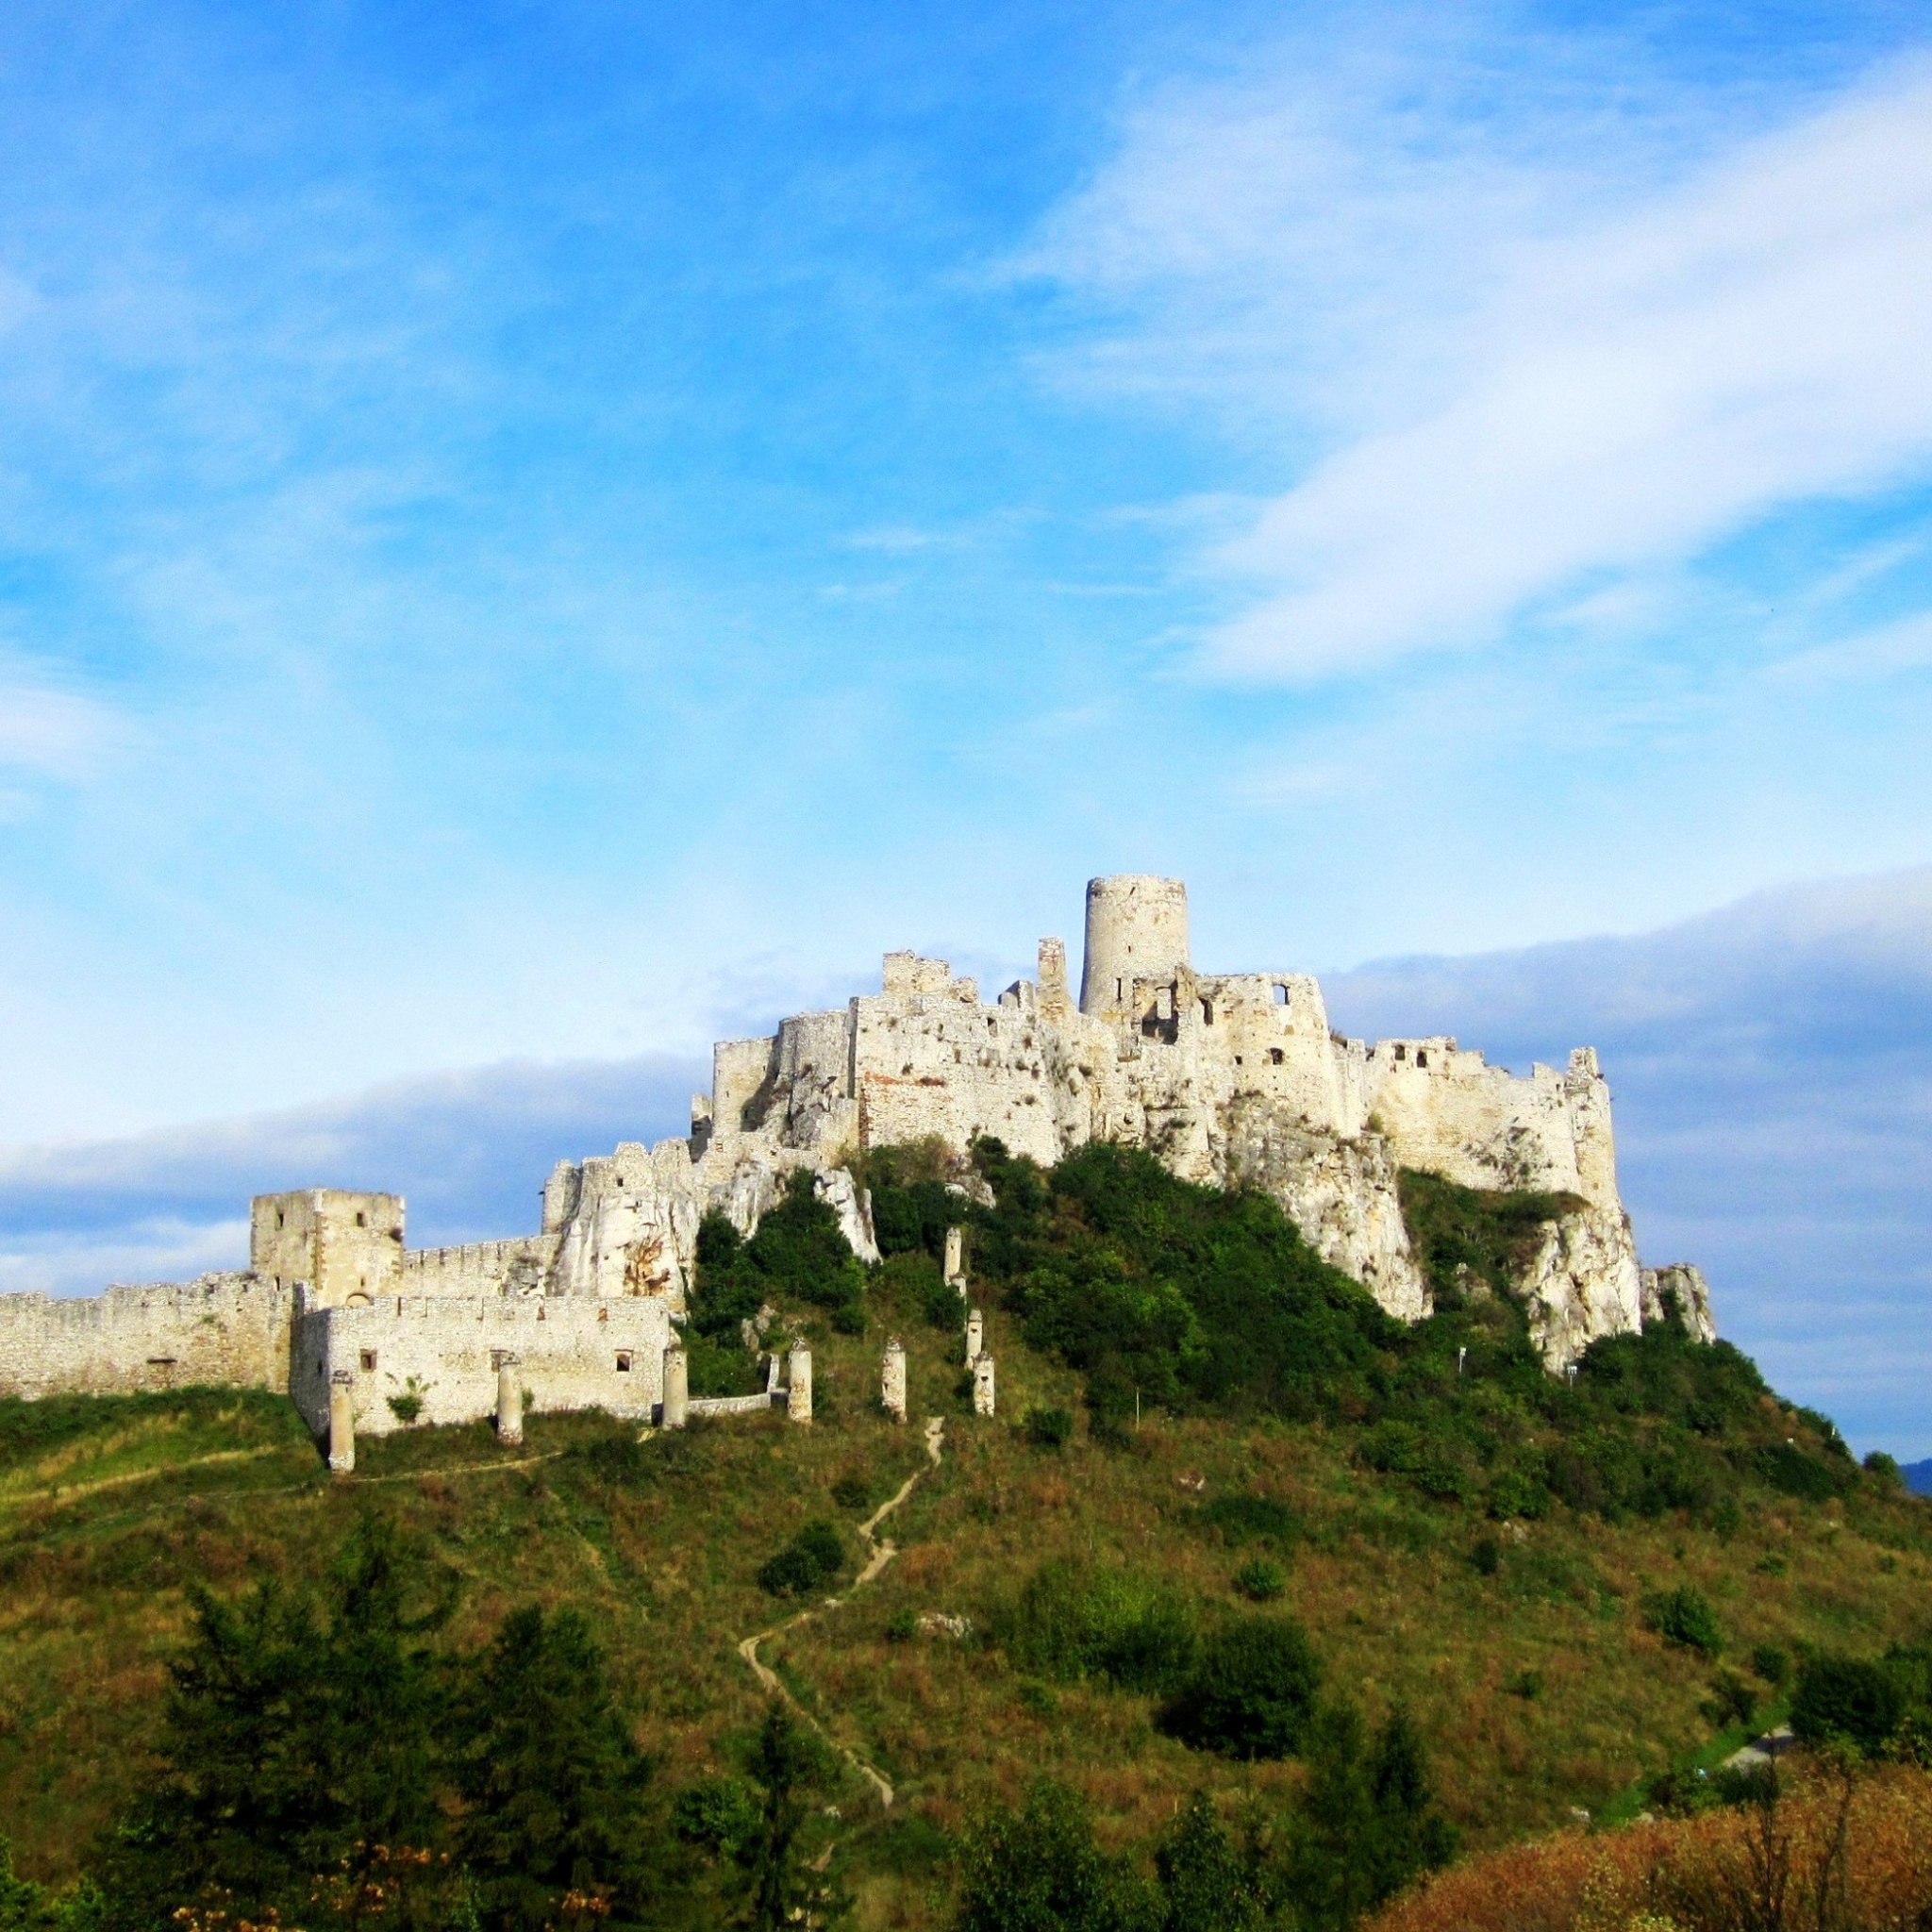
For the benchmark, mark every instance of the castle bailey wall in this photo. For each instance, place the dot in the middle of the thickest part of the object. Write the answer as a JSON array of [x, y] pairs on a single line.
[[225, 1330], [444, 1351], [521, 1265]]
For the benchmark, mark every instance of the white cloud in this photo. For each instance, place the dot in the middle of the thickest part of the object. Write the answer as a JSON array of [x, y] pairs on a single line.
[[50, 732], [1499, 391]]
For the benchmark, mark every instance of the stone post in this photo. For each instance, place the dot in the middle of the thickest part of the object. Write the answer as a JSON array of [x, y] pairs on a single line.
[[982, 1386], [677, 1388], [510, 1398], [341, 1423], [955, 1270], [892, 1380], [798, 1391]]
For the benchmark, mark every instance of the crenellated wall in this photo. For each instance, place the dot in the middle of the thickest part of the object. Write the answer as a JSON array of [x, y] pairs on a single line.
[[221, 1331]]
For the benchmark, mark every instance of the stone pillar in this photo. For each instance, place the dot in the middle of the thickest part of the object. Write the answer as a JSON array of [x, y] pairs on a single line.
[[510, 1398], [976, 1334], [677, 1388], [341, 1423], [982, 1386], [798, 1392], [955, 1270], [892, 1380]]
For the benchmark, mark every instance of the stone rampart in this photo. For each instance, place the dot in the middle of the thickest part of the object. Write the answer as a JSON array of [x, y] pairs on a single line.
[[225, 1330], [438, 1357], [521, 1265]]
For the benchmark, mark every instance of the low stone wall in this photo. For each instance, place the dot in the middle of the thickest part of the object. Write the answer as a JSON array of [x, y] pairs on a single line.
[[437, 1357], [520, 1265], [736, 1405], [225, 1331]]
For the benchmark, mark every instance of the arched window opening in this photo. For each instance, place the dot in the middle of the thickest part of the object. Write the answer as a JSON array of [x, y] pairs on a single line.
[[1280, 995], [1206, 1013]]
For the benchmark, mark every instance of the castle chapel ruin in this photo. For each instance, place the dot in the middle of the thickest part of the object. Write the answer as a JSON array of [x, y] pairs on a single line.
[[1230, 1078]]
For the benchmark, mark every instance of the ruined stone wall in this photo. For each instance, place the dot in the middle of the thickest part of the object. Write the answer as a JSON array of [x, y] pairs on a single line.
[[1450, 1112], [633, 1227], [521, 1265], [225, 1330], [444, 1350]]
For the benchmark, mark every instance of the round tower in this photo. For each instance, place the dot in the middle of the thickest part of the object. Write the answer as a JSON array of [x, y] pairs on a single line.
[[1137, 928]]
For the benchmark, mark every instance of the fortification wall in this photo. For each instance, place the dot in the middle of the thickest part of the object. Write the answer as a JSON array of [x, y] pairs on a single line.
[[1450, 1112], [225, 1330], [521, 1265], [339, 1241], [443, 1351]]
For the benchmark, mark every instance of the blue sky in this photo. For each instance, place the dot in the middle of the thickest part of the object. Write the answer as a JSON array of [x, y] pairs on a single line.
[[541, 534]]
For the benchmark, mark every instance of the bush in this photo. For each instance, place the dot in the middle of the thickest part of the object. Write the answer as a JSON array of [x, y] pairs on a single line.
[[1731, 1701], [1260, 1579], [1249, 1519], [1772, 1664], [1069, 1623], [1486, 1555], [1852, 1700], [1049, 1428], [1789, 1471], [1039, 1870], [816, 1554], [718, 1814], [1516, 1492], [848, 1318], [1885, 1471], [853, 1490], [405, 1407], [902, 1626], [1684, 1616], [1252, 1692]]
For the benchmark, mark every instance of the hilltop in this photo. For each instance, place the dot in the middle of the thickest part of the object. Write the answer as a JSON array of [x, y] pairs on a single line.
[[1199, 1421]]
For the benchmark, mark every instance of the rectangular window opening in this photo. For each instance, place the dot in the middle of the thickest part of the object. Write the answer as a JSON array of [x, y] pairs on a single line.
[[368, 1361], [623, 1361]]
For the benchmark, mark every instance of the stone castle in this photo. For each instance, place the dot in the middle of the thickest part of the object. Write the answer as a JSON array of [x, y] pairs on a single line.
[[1230, 1078]]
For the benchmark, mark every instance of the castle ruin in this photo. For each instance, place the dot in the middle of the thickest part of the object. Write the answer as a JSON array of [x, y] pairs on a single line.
[[1235, 1079]]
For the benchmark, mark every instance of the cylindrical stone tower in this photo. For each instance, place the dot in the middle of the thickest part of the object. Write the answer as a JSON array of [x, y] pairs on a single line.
[[341, 1423], [677, 1388], [982, 1386], [798, 1385], [956, 1262], [1137, 928], [892, 1380], [510, 1399], [975, 1336]]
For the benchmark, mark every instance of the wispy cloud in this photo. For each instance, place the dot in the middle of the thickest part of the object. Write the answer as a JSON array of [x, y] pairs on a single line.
[[47, 731], [1508, 370]]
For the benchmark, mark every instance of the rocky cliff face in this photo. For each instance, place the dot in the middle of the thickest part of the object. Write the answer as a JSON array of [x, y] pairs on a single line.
[[1679, 1293], [1581, 1282]]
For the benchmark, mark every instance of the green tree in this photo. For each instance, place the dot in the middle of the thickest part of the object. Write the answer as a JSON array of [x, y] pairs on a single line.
[[1250, 1693], [291, 1731], [1039, 1870], [550, 1779], [789, 1766], [1366, 1823], [1206, 1884]]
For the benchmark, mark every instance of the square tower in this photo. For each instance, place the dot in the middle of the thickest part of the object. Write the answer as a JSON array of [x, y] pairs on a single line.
[[348, 1247]]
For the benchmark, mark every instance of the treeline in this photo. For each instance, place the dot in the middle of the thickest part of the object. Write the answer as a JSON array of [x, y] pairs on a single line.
[[1202, 1300]]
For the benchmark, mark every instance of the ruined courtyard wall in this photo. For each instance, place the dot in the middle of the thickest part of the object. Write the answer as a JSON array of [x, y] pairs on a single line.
[[443, 1351], [225, 1330], [521, 1265]]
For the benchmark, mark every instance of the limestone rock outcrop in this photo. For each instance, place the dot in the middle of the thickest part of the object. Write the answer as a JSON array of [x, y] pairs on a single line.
[[1678, 1292]]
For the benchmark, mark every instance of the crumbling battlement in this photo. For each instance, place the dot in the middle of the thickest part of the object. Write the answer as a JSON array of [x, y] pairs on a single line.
[[1231, 1078]]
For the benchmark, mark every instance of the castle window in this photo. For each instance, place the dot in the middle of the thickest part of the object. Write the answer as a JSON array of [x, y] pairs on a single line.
[[361, 1221], [369, 1361], [278, 1217], [1421, 1059], [623, 1361], [1275, 1055], [1401, 1053], [1281, 995]]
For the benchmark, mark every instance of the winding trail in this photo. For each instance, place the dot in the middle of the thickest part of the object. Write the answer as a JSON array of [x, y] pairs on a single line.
[[879, 1552]]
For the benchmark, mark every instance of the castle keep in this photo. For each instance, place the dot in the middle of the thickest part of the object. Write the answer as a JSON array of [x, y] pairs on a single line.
[[1230, 1078]]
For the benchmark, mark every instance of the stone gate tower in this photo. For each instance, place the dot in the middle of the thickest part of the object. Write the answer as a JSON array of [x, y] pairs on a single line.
[[1137, 928]]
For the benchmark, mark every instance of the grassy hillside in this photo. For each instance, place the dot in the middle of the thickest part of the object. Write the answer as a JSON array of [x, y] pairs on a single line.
[[1464, 1536]]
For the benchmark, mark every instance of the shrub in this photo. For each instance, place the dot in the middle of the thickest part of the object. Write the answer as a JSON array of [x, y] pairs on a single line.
[[902, 1626], [853, 1490], [1039, 1870], [1516, 1492], [815, 1553], [1486, 1555], [405, 1407], [848, 1318], [1246, 1518], [718, 1813], [1852, 1699], [1684, 1616], [1885, 1471], [1789, 1470], [1772, 1664], [1731, 1701], [1069, 1623], [1260, 1579], [1252, 1692], [1049, 1428]]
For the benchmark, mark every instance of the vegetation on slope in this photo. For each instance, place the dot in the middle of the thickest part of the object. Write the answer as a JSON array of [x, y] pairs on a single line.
[[1533, 1643]]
